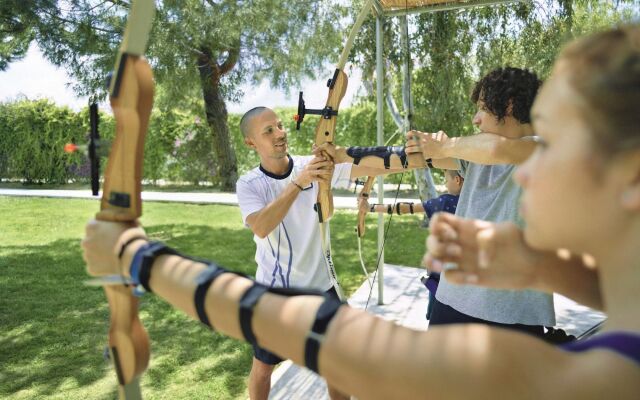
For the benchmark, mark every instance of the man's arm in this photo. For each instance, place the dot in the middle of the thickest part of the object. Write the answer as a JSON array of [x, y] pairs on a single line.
[[483, 148], [370, 165], [267, 219]]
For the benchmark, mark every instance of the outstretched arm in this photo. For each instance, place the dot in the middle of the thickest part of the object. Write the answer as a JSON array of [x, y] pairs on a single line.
[[372, 161], [483, 148], [370, 357]]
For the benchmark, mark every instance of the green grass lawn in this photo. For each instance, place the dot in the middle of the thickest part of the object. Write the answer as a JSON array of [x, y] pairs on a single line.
[[53, 329]]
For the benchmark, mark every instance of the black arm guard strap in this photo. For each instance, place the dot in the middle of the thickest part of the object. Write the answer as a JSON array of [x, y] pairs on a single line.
[[325, 314], [429, 162], [204, 281], [251, 297], [407, 203], [384, 152], [153, 251], [248, 301]]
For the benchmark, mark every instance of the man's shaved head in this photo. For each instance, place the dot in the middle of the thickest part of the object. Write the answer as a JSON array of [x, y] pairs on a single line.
[[245, 121]]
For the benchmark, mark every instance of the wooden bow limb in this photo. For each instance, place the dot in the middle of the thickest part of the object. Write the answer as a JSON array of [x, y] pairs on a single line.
[[325, 132], [360, 227], [131, 96]]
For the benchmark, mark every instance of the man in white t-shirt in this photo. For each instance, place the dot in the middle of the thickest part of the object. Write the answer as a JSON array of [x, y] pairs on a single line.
[[277, 201]]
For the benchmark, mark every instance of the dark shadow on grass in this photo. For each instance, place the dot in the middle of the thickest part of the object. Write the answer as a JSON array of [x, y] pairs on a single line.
[[53, 327]]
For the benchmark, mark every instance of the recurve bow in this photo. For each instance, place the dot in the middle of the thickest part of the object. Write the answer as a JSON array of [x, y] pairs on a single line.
[[131, 96], [325, 132]]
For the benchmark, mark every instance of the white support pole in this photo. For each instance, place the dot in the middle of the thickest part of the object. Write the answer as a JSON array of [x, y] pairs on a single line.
[[380, 140]]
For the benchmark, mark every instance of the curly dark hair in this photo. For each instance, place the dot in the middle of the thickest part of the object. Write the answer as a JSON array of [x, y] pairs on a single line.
[[508, 85]]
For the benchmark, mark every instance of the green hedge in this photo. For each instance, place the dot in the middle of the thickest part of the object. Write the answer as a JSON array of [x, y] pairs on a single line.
[[178, 146]]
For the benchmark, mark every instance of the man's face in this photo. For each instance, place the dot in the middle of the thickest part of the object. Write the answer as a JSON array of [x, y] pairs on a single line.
[[486, 121], [267, 136]]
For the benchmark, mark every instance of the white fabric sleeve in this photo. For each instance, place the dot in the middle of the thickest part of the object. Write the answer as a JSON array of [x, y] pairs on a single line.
[[250, 200], [342, 176]]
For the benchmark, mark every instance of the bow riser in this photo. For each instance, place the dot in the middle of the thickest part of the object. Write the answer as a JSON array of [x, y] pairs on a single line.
[[325, 131], [121, 199]]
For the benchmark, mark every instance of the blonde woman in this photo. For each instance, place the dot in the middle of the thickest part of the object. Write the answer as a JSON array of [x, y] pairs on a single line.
[[581, 192]]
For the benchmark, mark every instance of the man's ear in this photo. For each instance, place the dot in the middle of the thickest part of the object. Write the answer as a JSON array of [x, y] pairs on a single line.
[[248, 142]]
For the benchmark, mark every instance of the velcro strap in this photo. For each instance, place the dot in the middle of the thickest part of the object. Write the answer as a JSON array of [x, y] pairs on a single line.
[[149, 254], [294, 291], [248, 301], [204, 281], [410, 204], [429, 163], [325, 314], [384, 152]]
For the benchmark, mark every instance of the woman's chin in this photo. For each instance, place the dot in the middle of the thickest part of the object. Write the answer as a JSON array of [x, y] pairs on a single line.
[[536, 240]]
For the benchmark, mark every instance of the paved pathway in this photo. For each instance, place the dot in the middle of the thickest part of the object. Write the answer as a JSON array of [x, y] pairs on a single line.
[[182, 197], [406, 302]]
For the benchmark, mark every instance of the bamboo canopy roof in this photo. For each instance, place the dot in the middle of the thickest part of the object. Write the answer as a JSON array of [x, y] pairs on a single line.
[[401, 7]]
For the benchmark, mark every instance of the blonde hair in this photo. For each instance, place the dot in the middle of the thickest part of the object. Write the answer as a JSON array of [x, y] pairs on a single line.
[[604, 69]]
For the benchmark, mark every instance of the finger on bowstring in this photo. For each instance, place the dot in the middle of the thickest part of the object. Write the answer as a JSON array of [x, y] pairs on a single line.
[[486, 240]]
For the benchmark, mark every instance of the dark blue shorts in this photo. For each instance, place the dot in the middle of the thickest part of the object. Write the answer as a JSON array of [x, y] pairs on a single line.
[[268, 357]]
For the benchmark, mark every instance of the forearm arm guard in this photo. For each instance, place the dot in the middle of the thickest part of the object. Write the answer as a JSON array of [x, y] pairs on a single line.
[[384, 152]]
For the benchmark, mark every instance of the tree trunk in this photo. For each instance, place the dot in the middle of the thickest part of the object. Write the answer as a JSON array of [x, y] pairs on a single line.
[[216, 114]]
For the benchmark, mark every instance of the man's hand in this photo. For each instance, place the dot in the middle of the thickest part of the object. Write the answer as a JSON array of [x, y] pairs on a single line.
[[102, 243], [487, 254], [430, 144], [320, 168], [326, 149]]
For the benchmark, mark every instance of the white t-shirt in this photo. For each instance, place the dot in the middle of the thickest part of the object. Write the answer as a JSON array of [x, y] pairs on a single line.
[[291, 255]]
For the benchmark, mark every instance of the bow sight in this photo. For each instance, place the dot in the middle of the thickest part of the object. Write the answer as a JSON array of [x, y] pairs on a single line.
[[327, 112], [94, 149]]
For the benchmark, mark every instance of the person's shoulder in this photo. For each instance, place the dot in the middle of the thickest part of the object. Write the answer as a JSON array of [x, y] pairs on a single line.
[[250, 176]]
